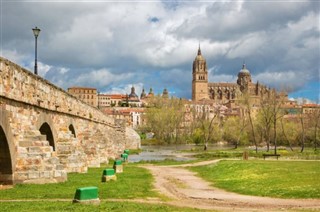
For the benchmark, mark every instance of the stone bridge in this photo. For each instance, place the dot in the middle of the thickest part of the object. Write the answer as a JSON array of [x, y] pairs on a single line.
[[46, 133]]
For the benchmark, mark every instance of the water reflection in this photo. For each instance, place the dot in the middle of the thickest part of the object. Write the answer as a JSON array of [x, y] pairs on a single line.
[[172, 152]]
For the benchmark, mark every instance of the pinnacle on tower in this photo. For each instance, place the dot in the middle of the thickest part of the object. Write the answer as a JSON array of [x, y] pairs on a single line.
[[199, 50], [244, 64]]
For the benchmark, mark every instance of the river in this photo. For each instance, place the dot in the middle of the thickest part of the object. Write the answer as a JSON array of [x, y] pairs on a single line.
[[171, 152]]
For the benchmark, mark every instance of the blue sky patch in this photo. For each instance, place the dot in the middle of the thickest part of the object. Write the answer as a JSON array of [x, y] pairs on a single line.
[[153, 19]]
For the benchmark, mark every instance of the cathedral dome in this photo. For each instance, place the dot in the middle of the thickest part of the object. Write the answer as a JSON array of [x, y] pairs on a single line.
[[244, 70], [133, 94]]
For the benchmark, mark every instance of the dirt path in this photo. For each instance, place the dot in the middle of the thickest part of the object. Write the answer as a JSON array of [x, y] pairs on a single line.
[[187, 189]]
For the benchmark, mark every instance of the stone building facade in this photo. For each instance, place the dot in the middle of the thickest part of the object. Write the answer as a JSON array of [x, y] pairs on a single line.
[[88, 95], [223, 92]]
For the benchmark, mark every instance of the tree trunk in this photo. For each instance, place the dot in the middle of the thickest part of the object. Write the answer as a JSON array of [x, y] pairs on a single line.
[[302, 139], [275, 133], [315, 135], [285, 135], [252, 128], [205, 146]]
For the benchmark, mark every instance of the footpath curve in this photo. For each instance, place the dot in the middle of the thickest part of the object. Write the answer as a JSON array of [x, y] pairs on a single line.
[[186, 189]]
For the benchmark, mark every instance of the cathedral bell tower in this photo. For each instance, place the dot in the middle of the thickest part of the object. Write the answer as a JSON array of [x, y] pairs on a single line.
[[199, 78]]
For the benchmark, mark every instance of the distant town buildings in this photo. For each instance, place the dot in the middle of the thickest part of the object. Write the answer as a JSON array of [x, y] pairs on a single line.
[[133, 116], [87, 95], [128, 107], [110, 100]]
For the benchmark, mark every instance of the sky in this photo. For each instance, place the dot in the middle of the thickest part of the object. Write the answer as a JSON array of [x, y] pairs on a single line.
[[114, 45]]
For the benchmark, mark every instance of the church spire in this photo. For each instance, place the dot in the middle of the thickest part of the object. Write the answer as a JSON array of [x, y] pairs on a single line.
[[199, 50], [244, 64]]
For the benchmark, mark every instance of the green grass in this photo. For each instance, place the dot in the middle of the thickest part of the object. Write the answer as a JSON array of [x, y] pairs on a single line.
[[134, 182], [167, 162], [104, 206], [284, 179], [307, 154]]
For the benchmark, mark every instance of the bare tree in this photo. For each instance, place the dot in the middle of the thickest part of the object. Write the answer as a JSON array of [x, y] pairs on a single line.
[[301, 118], [233, 129], [314, 122], [207, 121], [285, 134], [247, 107], [266, 116]]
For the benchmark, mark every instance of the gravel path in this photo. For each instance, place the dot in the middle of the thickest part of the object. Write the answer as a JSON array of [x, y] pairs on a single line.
[[187, 189]]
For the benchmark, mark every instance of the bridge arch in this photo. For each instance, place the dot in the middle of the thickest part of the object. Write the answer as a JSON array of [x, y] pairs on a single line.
[[46, 127], [7, 150]]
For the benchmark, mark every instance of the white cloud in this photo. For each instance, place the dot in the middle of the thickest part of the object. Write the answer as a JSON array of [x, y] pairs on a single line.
[[301, 101], [281, 80], [126, 89], [249, 45], [102, 77], [109, 44]]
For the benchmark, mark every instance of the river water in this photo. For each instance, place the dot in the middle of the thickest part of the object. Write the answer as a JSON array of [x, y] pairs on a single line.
[[172, 152]]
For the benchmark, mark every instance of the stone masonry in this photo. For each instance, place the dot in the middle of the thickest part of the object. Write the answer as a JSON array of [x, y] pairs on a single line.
[[46, 133]]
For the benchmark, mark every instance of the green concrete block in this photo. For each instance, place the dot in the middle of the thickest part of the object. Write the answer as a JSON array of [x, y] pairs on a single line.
[[126, 151], [117, 162], [86, 193], [124, 155], [108, 172]]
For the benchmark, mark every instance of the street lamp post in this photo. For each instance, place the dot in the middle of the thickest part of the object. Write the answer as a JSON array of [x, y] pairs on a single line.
[[36, 32]]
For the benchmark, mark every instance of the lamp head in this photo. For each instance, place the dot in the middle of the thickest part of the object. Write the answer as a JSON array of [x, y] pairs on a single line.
[[36, 31]]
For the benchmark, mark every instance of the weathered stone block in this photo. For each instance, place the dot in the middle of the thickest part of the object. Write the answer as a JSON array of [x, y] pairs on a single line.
[[59, 167], [118, 168], [41, 143], [25, 143], [21, 176], [34, 155], [106, 178], [45, 174], [33, 174], [34, 149], [21, 150], [53, 160], [46, 155], [58, 174]]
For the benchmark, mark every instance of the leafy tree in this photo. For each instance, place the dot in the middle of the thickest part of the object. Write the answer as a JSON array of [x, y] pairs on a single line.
[[233, 130], [164, 118], [208, 120], [197, 136]]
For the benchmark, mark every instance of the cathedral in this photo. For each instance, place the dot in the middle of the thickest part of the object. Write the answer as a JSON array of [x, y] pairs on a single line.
[[223, 92]]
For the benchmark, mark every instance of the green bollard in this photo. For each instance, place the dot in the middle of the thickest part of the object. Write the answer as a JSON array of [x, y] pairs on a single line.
[[117, 166], [87, 195], [108, 174], [124, 157], [126, 151]]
